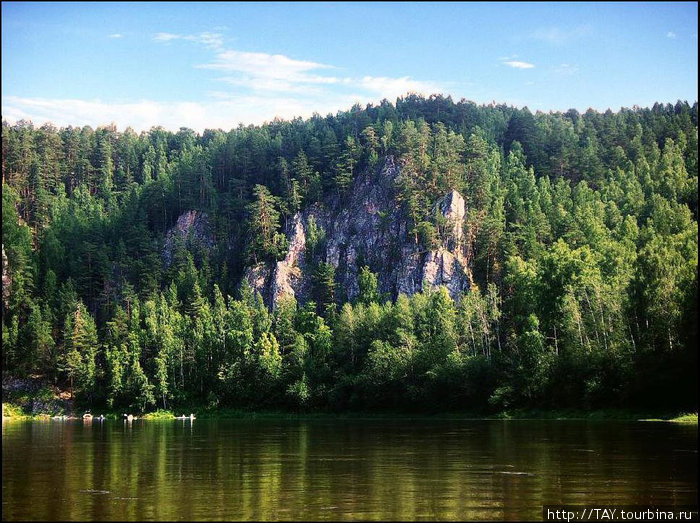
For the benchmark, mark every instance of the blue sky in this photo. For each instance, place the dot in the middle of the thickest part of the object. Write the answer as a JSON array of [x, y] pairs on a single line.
[[215, 65]]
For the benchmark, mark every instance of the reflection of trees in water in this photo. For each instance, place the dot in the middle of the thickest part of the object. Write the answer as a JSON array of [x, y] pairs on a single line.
[[338, 469]]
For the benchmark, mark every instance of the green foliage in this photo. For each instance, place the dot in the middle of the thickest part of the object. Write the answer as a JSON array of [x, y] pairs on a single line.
[[369, 285], [580, 239], [315, 238], [265, 242], [324, 286]]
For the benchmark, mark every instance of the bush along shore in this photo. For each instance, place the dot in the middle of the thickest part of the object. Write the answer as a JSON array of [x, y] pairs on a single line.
[[30, 399]]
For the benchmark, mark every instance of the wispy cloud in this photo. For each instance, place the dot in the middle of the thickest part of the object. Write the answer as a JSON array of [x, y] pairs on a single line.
[[212, 40], [253, 87], [143, 114], [519, 65], [165, 37], [266, 72], [670, 34], [558, 35], [258, 73], [225, 110], [116, 35], [263, 65]]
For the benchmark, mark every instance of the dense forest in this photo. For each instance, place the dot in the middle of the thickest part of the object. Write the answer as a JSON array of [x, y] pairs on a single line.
[[583, 252]]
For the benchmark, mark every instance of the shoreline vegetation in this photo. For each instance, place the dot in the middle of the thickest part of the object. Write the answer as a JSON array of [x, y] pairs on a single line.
[[14, 411], [40, 401]]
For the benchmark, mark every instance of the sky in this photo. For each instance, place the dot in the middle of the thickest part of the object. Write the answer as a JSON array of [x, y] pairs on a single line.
[[215, 65]]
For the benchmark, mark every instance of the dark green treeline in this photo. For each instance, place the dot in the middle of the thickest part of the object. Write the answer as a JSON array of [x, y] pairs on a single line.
[[581, 233]]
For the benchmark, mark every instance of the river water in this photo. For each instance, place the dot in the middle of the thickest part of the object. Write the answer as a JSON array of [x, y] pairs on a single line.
[[339, 469]]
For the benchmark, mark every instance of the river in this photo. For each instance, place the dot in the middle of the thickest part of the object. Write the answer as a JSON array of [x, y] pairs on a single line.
[[336, 469]]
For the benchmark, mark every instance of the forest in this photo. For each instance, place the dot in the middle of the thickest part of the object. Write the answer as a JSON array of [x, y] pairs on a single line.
[[582, 235]]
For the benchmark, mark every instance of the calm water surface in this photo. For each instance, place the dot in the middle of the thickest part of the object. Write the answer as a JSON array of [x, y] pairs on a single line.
[[338, 469]]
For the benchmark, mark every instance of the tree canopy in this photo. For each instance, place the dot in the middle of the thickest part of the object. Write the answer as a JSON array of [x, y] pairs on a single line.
[[581, 234]]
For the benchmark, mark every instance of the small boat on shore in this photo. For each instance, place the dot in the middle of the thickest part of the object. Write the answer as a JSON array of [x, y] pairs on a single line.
[[87, 417]]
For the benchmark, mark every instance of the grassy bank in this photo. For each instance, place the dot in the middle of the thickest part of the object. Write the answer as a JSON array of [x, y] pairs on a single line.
[[690, 418]]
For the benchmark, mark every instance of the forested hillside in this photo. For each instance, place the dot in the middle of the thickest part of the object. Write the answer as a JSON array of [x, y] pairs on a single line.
[[580, 245]]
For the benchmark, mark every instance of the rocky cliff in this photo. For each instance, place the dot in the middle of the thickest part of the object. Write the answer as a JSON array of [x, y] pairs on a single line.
[[369, 228]]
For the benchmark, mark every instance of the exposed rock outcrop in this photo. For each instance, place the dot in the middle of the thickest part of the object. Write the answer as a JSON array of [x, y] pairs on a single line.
[[35, 396], [368, 229], [6, 280], [288, 274], [193, 229], [453, 209]]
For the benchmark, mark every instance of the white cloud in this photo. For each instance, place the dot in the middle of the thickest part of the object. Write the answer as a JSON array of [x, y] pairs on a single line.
[[224, 110], [519, 65], [64, 112], [263, 72], [263, 65], [262, 84], [116, 35], [670, 34], [260, 73], [208, 39], [255, 87], [395, 87], [165, 37]]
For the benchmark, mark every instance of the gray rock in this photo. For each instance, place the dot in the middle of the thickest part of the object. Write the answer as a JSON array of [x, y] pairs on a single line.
[[258, 278], [368, 229], [288, 275], [192, 228], [6, 280], [453, 208]]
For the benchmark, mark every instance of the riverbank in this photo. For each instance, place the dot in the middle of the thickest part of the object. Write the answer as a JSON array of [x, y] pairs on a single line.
[[13, 411], [32, 398]]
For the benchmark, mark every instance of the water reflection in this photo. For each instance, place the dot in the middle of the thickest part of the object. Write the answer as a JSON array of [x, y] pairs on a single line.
[[340, 470]]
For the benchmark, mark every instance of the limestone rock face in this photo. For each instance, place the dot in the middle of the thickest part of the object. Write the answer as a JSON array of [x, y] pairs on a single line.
[[192, 228], [288, 275], [368, 228], [454, 209], [258, 278], [441, 267]]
